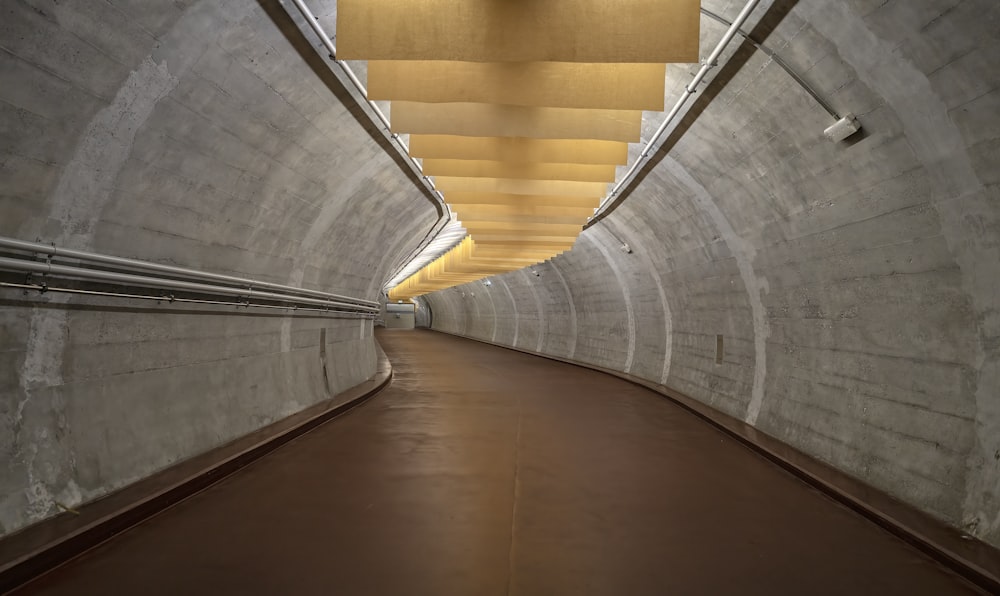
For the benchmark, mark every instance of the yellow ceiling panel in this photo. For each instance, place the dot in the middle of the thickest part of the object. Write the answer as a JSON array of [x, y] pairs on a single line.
[[479, 212], [462, 271], [525, 228], [518, 149], [552, 84], [513, 238], [484, 246], [520, 187], [520, 110], [491, 120], [533, 171], [570, 218], [458, 198], [525, 31], [509, 258], [575, 220], [524, 252]]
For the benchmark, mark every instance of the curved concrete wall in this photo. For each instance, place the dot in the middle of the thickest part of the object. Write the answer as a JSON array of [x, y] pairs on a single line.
[[189, 133], [854, 284]]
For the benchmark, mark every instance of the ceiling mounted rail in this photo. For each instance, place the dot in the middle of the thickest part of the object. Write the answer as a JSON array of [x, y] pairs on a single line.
[[313, 23], [383, 123], [690, 89], [133, 272]]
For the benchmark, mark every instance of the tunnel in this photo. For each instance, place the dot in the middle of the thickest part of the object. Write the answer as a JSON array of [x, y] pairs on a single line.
[[765, 361]]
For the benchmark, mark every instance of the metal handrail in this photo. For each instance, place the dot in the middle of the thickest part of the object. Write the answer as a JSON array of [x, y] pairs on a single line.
[[44, 288], [137, 274]]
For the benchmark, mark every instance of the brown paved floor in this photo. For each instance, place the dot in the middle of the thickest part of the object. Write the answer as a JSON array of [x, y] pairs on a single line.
[[485, 471]]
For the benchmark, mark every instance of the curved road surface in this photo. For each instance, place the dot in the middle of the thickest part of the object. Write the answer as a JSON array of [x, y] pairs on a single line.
[[485, 471]]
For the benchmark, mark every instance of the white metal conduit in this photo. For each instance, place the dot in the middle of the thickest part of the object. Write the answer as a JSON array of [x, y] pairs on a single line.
[[313, 23], [423, 248], [133, 272], [690, 89]]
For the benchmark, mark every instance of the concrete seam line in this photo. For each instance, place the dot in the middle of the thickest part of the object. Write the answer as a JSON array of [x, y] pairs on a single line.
[[493, 307], [475, 305], [626, 296], [513, 305], [744, 253], [538, 307], [60, 550], [963, 566], [668, 320], [572, 307]]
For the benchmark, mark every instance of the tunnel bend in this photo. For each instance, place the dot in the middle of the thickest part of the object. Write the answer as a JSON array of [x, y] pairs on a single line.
[[852, 283]]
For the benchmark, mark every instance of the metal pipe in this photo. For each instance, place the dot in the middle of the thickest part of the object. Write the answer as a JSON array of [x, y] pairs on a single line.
[[726, 38], [48, 268], [689, 90], [313, 23], [134, 264], [780, 62], [172, 299]]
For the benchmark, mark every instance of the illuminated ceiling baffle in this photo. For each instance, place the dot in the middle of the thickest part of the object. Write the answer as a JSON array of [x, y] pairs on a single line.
[[520, 110]]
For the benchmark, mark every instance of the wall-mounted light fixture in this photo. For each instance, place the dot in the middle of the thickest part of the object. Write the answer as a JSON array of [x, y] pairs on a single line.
[[843, 128]]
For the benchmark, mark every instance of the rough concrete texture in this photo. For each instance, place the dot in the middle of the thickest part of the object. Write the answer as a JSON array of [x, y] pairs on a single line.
[[189, 133], [855, 285]]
